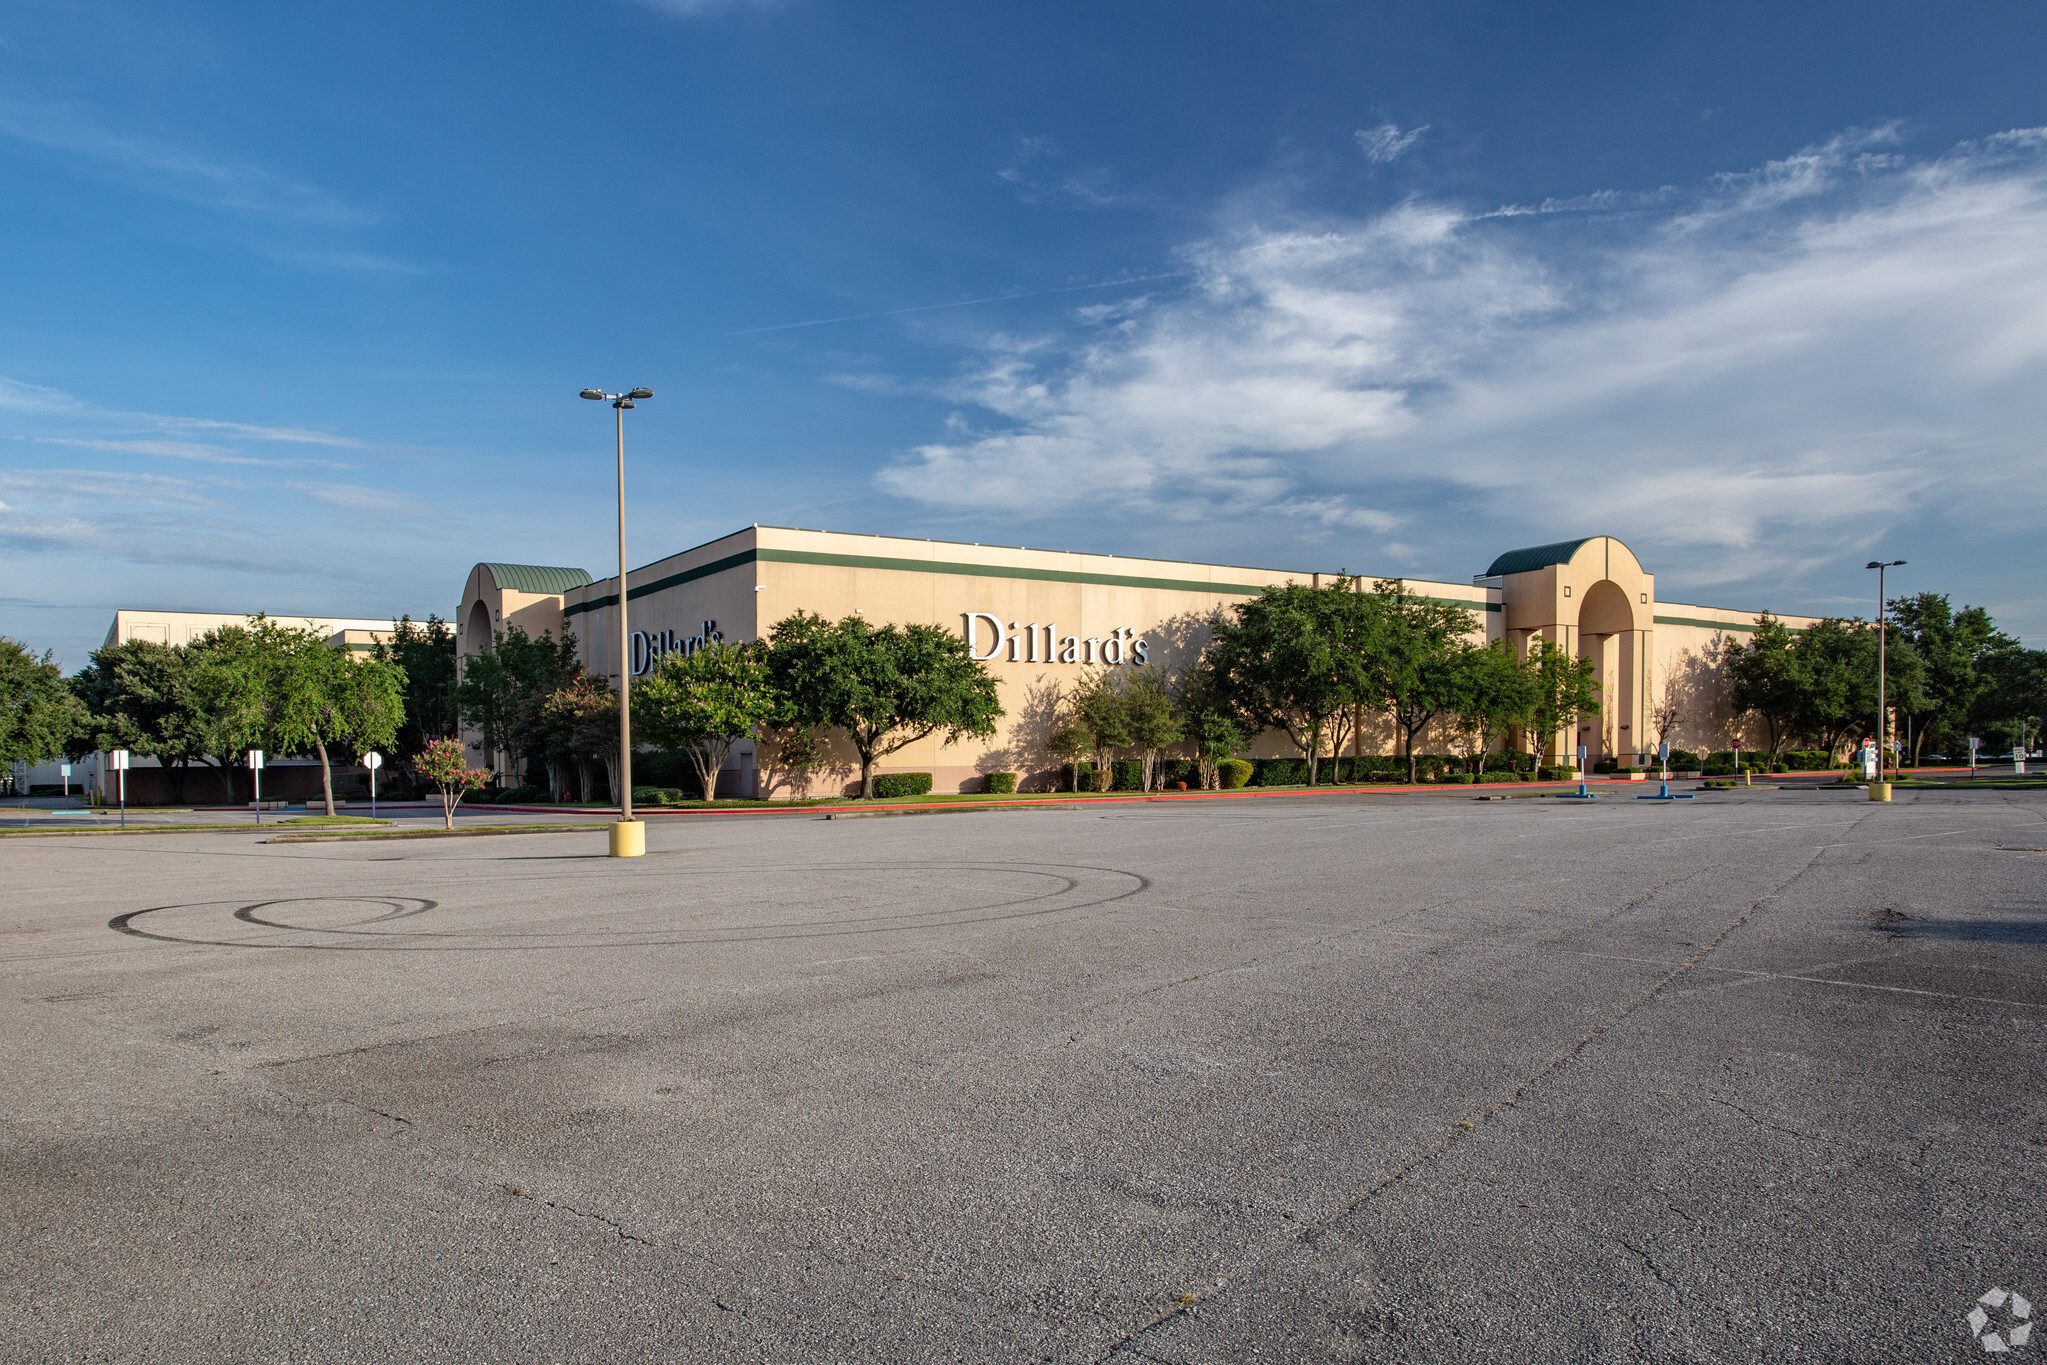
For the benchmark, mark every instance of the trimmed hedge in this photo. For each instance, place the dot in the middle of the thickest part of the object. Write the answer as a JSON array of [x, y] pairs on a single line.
[[1234, 772], [661, 796], [895, 786], [663, 768], [1128, 775], [999, 784], [520, 796]]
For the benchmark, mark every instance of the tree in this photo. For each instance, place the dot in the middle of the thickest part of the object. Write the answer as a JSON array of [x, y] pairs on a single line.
[[1098, 709], [38, 712], [1070, 744], [316, 696], [1953, 646], [580, 727], [142, 697], [1416, 661], [1566, 690], [1150, 720], [1766, 678], [1217, 731], [426, 655], [886, 687], [2013, 700], [705, 702], [504, 689], [1835, 662], [442, 762], [1495, 691], [1286, 662]]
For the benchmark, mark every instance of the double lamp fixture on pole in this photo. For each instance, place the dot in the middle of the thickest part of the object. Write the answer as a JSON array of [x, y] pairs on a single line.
[[628, 836]]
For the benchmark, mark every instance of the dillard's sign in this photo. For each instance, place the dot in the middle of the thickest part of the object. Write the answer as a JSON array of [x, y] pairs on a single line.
[[1020, 644], [650, 647]]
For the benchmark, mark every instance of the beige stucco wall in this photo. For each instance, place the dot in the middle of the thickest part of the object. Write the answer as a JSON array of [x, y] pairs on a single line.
[[1597, 600], [748, 581]]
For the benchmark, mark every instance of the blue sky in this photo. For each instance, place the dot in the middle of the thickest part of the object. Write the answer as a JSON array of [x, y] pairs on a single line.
[[295, 300]]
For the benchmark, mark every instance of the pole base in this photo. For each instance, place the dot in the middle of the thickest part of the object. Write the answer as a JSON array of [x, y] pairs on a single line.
[[629, 839], [1879, 791]]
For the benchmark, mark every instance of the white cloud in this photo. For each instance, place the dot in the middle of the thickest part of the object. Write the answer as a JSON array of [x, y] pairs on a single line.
[[698, 9], [1387, 143], [217, 182], [359, 498], [1783, 361]]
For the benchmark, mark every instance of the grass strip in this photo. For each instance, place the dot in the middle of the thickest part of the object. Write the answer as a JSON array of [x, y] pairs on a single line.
[[330, 836], [249, 828]]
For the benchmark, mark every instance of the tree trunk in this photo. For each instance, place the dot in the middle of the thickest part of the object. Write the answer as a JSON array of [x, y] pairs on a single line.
[[326, 777]]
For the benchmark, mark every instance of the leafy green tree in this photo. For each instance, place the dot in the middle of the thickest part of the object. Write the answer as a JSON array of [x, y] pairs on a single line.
[[2013, 701], [1416, 663], [227, 676], [580, 730], [1211, 723], [1766, 679], [1286, 661], [425, 653], [1953, 646], [1099, 708], [38, 712], [886, 687], [142, 697], [503, 691], [1566, 691], [315, 697], [1071, 744], [1836, 662], [705, 702], [1496, 690]]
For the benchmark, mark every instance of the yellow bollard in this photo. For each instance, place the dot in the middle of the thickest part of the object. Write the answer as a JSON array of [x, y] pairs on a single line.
[[629, 839], [1879, 791]]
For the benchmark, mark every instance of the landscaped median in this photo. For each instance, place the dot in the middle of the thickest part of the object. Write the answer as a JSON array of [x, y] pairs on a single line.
[[979, 801]]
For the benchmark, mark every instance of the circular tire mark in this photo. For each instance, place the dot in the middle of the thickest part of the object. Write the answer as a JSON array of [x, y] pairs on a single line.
[[428, 940]]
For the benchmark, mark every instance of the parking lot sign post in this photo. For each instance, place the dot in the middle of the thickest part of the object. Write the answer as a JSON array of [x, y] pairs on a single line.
[[256, 782], [117, 759], [1974, 745], [373, 761]]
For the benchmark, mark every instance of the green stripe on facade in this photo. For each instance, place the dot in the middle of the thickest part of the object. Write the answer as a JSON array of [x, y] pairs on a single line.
[[933, 566], [1705, 625]]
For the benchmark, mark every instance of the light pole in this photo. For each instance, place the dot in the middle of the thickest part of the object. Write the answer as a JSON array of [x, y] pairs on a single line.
[[1883, 727], [628, 836]]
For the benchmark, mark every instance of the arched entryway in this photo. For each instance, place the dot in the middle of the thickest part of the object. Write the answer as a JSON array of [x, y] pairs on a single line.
[[1592, 599]]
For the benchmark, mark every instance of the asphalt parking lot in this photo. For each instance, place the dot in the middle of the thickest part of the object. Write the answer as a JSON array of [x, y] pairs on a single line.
[[1401, 1078]]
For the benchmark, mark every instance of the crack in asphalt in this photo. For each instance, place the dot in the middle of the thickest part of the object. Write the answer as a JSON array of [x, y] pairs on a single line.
[[1130, 1344]]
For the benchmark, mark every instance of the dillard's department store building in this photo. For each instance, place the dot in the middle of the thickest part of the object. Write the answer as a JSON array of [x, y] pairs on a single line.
[[1039, 618]]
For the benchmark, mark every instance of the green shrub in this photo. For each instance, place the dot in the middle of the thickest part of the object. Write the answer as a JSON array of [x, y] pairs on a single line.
[[1279, 772], [1234, 772], [1001, 784], [518, 796], [1463, 777], [1683, 758], [895, 786], [661, 796], [1128, 775], [1556, 774], [663, 768]]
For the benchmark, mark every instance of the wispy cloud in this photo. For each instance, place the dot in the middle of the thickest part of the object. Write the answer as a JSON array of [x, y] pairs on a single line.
[[185, 450], [1782, 361], [1387, 143], [701, 9], [361, 498], [176, 172]]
